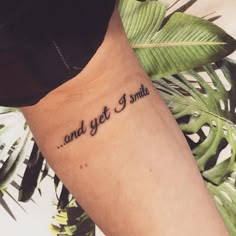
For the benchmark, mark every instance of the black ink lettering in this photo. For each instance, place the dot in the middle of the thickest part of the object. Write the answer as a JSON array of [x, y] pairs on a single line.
[[81, 130], [100, 120], [132, 100], [122, 102], [94, 126], [135, 97], [107, 113], [104, 116], [140, 94], [75, 134], [67, 139]]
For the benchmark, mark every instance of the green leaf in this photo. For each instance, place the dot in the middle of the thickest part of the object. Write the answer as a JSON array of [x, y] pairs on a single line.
[[141, 20], [72, 220], [184, 42], [225, 199], [204, 105]]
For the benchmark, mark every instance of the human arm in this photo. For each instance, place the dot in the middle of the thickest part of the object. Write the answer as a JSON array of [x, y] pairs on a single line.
[[133, 173]]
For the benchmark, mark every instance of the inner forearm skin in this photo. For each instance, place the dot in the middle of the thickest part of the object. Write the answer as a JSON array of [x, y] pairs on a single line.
[[115, 145]]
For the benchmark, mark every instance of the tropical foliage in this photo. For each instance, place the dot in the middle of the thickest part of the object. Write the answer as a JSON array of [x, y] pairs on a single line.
[[72, 220], [184, 56], [203, 102], [179, 42]]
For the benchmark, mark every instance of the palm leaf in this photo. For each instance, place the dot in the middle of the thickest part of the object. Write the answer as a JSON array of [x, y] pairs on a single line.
[[16, 157], [5, 206], [184, 42], [205, 108], [31, 175], [72, 220]]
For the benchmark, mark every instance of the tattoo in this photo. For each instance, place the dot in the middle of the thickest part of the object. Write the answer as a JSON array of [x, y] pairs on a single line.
[[140, 94], [104, 116], [100, 120], [75, 134], [122, 103]]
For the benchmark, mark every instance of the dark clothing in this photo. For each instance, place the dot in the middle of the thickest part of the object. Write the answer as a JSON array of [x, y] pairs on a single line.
[[44, 43]]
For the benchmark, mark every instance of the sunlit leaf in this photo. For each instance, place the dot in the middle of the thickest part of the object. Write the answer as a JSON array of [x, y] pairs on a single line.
[[184, 42]]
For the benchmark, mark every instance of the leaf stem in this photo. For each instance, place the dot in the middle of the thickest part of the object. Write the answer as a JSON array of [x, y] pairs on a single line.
[[173, 44]]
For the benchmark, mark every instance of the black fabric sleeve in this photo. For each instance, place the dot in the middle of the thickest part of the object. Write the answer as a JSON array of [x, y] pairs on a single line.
[[44, 43]]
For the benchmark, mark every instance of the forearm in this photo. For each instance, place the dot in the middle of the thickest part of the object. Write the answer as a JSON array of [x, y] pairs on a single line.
[[123, 156]]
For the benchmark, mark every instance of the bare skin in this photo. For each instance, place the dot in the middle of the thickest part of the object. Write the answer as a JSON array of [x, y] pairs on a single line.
[[128, 165]]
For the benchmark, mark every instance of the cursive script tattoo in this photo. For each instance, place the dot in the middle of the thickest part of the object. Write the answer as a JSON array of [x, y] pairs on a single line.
[[122, 103], [140, 94], [75, 134], [93, 125], [100, 120]]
